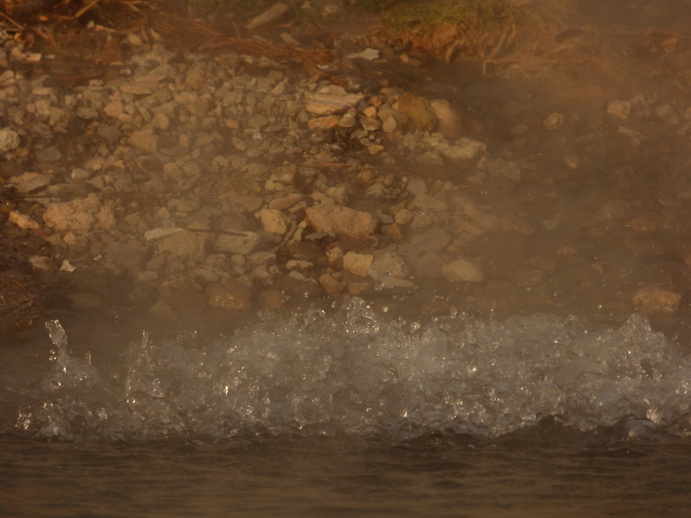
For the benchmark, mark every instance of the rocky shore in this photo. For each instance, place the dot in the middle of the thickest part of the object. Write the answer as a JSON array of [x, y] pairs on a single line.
[[187, 181]]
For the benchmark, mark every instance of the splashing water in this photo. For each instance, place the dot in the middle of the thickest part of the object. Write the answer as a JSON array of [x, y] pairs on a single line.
[[354, 372]]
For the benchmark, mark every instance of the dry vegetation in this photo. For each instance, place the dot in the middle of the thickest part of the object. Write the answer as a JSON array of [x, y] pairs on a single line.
[[471, 29]]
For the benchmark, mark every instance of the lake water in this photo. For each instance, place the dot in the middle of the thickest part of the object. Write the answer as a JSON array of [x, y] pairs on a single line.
[[347, 411]]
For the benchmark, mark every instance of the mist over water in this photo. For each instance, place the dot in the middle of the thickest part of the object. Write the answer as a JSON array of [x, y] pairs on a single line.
[[352, 371]]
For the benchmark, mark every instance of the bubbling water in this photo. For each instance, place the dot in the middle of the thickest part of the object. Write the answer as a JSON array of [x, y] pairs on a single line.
[[355, 372]]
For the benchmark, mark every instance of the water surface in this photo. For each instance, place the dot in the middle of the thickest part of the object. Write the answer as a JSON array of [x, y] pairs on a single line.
[[347, 412]]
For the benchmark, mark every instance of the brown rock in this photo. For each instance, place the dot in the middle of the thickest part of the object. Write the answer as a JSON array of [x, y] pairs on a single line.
[[274, 221], [357, 264], [78, 215], [322, 103], [462, 270], [184, 243], [144, 140], [656, 298], [449, 123], [330, 284], [327, 122], [22, 220], [286, 202], [334, 256], [419, 110], [355, 284], [248, 202], [341, 221], [305, 251]]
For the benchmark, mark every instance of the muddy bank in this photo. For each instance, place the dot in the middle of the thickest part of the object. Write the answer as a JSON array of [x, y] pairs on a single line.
[[224, 183]]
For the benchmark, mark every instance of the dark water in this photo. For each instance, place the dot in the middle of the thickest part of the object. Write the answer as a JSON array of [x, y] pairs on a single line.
[[345, 476], [348, 412]]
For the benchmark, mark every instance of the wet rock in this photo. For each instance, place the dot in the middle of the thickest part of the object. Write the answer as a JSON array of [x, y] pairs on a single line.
[[619, 109], [79, 215], [49, 154], [428, 265], [356, 285], [656, 298], [160, 233], [462, 151], [341, 221], [22, 220], [419, 111], [388, 265], [274, 221], [232, 296], [305, 251], [323, 123], [30, 182], [183, 244], [449, 124], [299, 265], [390, 125], [9, 140], [427, 202], [500, 169], [144, 140], [416, 186], [238, 242], [527, 277], [357, 264], [248, 202], [295, 285], [330, 284], [553, 121], [286, 202], [334, 256], [330, 100], [462, 270], [432, 241], [403, 217], [422, 219]]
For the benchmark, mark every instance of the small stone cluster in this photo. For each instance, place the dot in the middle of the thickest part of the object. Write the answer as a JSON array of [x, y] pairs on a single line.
[[192, 174]]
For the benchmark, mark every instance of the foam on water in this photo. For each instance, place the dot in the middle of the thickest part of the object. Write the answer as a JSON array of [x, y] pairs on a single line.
[[355, 372]]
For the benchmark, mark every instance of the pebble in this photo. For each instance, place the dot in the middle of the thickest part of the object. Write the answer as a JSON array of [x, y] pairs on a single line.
[[449, 123], [656, 299], [22, 220], [274, 220], [358, 264], [341, 221], [330, 284], [30, 182], [238, 243], [462, 151], [462, 270], [387, 265], [9, 140]]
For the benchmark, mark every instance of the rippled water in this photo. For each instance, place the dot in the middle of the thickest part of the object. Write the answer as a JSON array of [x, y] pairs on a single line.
[[345, 412], [345, 476]]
